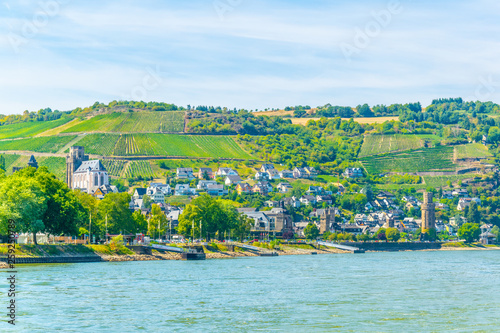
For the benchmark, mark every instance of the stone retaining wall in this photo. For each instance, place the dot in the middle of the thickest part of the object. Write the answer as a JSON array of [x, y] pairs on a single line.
[[382, 246]]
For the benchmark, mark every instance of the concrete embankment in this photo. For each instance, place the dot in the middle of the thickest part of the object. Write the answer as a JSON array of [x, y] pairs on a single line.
[[387, 246]]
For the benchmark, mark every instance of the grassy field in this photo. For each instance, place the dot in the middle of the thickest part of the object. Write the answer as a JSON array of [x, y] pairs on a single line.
[[369, 120], [473, 150], [59, 129], [141, 122], [28, 129], [429, 181], [381, 144], [421, 160], [163, 145], [48, 144], [441, 181]]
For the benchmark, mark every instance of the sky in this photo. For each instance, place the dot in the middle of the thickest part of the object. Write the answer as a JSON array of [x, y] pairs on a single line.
[[248, 54]]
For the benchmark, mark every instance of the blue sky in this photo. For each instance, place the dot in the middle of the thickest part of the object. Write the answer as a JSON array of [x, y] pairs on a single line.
[[246, 54]]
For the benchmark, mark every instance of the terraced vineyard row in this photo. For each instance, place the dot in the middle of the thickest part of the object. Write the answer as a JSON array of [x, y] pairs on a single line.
[[27, 129], [428, 159], [114, 167], [48, 144], [136, 169], [381, 144], [10, 159], [163, 145], [56, 165], [100, 144], [473, 150], [145, 122]]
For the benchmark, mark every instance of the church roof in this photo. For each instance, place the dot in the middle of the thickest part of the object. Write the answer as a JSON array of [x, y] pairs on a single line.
[[94, 165]]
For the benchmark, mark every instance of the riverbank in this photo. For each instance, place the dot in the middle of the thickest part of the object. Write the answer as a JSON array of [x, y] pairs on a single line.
[[30, 254]]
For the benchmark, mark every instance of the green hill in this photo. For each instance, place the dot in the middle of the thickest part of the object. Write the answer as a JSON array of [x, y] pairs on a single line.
[[163, 145], [421, 160], [135, 122], [29, 129]]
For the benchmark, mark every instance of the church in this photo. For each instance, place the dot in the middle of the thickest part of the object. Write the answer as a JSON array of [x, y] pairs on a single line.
[[83, 174], [90, 174]]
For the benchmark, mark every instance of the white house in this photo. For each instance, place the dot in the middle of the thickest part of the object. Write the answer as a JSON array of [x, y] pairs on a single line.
[[185, 173], [232, 180], [184, 189], [286, 174], [164, 188], [223, 172], [353, 173], [156, 194], [203, 184], [284, 187]]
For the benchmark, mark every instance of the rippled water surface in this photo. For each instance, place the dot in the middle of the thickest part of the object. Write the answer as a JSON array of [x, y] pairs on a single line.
[[384, 292]]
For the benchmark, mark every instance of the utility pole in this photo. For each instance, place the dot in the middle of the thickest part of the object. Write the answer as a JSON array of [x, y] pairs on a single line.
[[90, 225], [106, 229]]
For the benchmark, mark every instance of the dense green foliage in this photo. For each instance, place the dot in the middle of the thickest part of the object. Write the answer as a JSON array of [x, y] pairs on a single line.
[[469, 232], [37, 201], [211, 218], [318, 144]]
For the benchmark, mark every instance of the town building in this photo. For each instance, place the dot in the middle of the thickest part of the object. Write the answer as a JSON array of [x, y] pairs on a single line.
[[185, 173], [232, 180], [205, 173], [353, 173], [243, 188]]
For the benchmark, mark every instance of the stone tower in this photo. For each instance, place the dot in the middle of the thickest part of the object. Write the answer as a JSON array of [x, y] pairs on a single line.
[[326, 220], [32, 162], [74, 159], [428, 213]]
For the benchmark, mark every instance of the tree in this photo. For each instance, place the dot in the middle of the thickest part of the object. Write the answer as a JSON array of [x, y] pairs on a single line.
[[392, 234], [242, 226], [311, 231], [22, 200], [469, 231], [209, 216], [473, 214], [65, 213], [158, 222], [363, 237], [116, 207], [381, 234], [140, 221], [496, 231], [146, 201]]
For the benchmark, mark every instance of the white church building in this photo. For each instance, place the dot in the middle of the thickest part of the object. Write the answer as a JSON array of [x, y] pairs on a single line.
[[90, 174]]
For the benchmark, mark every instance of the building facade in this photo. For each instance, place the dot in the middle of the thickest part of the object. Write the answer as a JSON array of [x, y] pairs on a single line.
[[74, 160], [90, 175]]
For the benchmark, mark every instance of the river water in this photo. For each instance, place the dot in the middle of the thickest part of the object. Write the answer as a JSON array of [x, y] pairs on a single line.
[[383, 292]]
